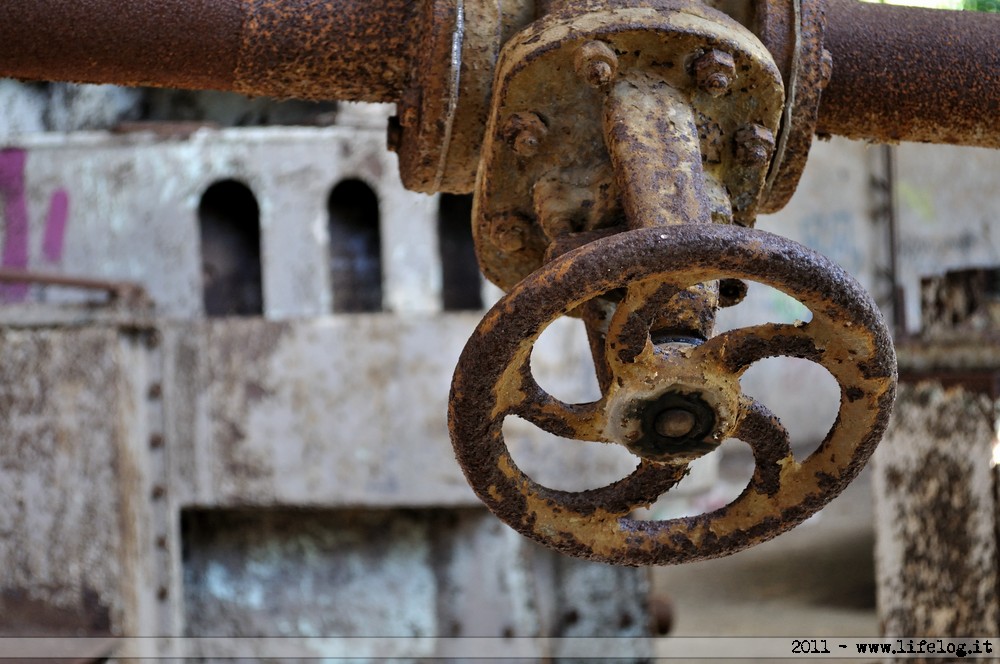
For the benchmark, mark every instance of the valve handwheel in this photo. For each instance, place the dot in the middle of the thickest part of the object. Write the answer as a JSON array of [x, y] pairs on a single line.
[[674, 401]]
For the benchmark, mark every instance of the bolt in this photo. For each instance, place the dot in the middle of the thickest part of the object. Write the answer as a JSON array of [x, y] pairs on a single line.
[[754, 144], [158, 492], [524, 133], [714, 71], [596, 64], [675, 423], [155, 391], [507, 233], [156, 441]]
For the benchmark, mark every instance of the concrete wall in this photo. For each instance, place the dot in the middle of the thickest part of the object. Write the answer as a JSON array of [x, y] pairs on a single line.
[[219, 460]]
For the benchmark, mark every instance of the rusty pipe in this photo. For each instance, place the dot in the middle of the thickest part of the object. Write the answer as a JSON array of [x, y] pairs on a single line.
[[359, 50], [116, 290], [912, 74]]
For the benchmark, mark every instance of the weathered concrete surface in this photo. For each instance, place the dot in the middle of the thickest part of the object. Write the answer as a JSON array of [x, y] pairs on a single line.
[[133, 201], [34, 107], [936, 515], [72, 488], [109, 437], [341, 411], [444, 573]]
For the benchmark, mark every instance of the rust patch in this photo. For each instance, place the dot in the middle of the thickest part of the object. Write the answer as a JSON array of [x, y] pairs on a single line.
[[912, 74], [327, 49], [637, 133], [190, 44]]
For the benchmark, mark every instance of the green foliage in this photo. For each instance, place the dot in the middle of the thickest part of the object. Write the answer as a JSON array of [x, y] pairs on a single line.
[[982, 5]]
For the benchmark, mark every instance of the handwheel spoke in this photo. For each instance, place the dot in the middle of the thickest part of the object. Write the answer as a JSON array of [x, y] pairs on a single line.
[[736, 350], [628, 330], [760, 429], [582, 421], [641, 488]]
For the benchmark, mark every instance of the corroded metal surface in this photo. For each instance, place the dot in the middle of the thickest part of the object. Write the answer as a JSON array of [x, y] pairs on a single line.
[[583, 178], [312, 49], [912, 74], [793, 31], [847, 335], [443, 112]]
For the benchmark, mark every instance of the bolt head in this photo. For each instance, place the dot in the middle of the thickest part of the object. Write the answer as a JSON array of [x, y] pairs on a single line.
[[754, 145], [714, 72], [675, 423], [596, 64], [507, 233], [524, 133]]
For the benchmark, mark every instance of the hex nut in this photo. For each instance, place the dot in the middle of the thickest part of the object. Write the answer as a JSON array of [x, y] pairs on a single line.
[[524, 133], [754, 144], [508, 232], [714, 72], [596, 64]]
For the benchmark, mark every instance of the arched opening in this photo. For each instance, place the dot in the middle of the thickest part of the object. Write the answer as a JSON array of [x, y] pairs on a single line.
[[229, 220], [355, 248], [461, 284]]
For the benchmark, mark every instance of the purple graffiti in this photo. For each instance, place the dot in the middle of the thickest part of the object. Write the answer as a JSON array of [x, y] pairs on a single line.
[[15, 214], [55, 227], [15, 222]]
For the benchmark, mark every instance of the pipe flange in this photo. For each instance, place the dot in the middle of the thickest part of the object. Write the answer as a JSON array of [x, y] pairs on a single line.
[[793, 31], [442, 116]]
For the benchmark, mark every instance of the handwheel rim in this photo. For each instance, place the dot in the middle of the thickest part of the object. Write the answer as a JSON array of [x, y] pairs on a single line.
[[594, 524]]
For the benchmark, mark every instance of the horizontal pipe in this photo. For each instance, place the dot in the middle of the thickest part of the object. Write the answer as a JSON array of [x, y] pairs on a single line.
[[358, 50], [912, 74], [124, 290]]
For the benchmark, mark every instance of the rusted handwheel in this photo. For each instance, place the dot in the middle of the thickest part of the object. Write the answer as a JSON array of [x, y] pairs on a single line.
[[671, 402]]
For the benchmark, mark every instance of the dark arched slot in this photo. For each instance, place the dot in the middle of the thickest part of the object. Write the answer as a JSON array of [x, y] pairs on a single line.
[[461, 283], [229, 218], [355, 248]]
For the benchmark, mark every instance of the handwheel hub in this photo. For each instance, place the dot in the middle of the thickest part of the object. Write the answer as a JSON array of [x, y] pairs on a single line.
[[669, 410], [677, 424]]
